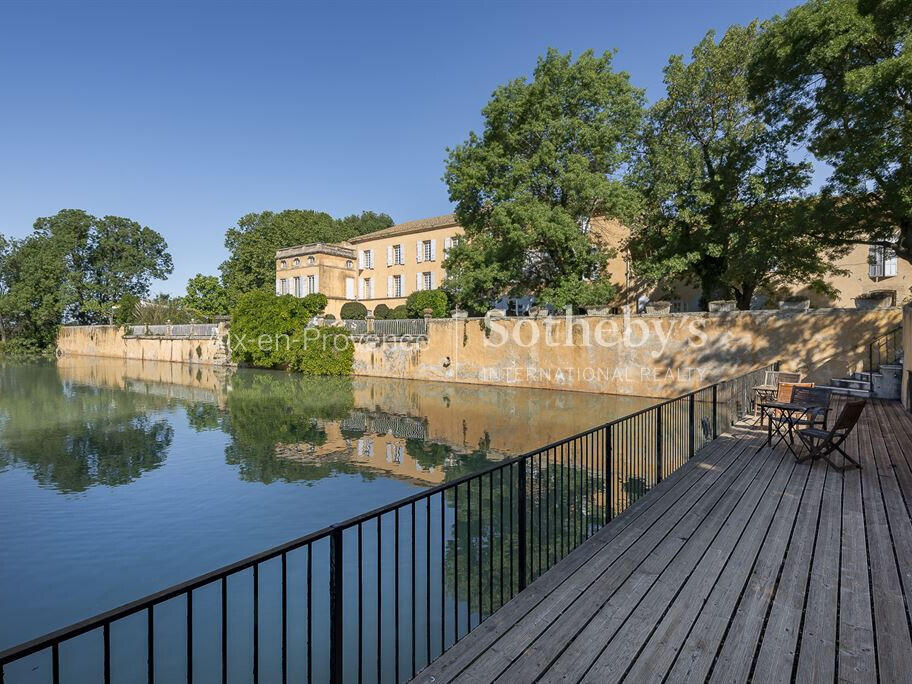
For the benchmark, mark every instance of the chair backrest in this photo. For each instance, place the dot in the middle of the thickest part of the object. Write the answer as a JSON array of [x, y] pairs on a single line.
[[811, 396], [849, 415], [788, 376], [771, 378], [786, 389]]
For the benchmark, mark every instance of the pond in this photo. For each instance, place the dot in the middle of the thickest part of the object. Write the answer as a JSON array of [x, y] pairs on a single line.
[[119, 478]]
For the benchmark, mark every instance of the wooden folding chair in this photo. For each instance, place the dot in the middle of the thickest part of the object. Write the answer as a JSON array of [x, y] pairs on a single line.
[[821, 443]]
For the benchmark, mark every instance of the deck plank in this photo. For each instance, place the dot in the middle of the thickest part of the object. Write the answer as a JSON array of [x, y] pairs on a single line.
[[742, 566]]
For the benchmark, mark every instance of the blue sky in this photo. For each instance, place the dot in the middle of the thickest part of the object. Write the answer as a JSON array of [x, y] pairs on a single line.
[[185, 116]]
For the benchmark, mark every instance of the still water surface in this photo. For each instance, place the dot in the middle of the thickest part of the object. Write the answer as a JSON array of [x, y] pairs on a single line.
[[120, 478]]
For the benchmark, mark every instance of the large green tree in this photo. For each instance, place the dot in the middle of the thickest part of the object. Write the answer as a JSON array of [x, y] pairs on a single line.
[[839, 74], [526, 188], [253, 242], [722, 197], [75, 267], [207, 295], [6, 248]]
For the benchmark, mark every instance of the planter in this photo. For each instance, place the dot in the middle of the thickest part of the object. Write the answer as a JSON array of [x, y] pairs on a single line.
[[458, 313], [795, 305], [539, 312], [497, 314], [873, 302], [659, 307], [604, 310], [722, 305]]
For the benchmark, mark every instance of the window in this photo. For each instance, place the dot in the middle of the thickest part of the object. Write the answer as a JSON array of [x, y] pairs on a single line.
[[283, 264], [311, 284], [367, 289], [348, 264], [311, 260], [297, 288], [349, 288], [397, 286], [398, 256], [368, 255], [427, 280], [283, 288], [425, 250], [296, 262], [881, 262]]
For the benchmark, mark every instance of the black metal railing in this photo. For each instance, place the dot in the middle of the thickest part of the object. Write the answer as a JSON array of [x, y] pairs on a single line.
[[883, 350], [379, 596]]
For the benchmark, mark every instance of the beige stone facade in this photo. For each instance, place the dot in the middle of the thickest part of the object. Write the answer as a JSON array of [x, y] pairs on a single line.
[[383, 267]]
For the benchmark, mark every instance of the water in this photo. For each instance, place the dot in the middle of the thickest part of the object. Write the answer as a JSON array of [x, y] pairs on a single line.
[[119, 478]]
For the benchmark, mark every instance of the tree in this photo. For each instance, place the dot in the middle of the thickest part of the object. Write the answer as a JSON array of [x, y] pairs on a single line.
[[721, 196], [353, 311], [526, 189], [435, 300], [6, 248], [253, 242], [838, 73], [207, 295]]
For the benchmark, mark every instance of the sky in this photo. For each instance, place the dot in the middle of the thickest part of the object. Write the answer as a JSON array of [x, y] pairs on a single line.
[[186, 116]]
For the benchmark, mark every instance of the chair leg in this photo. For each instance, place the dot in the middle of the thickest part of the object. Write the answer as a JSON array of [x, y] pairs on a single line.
[[848, 458]]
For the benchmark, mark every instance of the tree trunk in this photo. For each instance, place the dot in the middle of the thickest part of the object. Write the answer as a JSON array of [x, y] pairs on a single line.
[[744, 297], [2, 331]]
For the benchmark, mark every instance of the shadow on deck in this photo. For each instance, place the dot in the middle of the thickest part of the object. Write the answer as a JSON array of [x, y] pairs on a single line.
[[742, 565]]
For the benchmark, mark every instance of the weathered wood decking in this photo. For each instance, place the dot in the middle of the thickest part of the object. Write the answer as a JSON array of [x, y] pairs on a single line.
[[742, 565]]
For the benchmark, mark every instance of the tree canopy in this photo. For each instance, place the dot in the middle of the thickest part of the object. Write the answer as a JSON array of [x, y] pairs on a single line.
[[838, 73], [548, 161], [207, 295], [252, 244], [75, 267], [722, 198]]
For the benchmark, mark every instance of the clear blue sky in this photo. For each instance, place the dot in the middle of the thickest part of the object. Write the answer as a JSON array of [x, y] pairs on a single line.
[[184, 117]]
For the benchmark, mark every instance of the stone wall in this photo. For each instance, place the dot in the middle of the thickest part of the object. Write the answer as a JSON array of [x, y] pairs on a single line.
[[654, 355], [110, 341]]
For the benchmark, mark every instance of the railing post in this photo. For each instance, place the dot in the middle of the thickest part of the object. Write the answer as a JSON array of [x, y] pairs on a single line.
[[690, 423], [609, 485], [335, 605], [871, 368], [715, 402], [659, 469], [522, 525]]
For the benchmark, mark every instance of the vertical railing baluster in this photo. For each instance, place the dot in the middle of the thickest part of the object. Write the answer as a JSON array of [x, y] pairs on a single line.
[[468, 556], [106, 634], [285, 618], [336, 634], [360, 602], [714, 410], [55, 663], [224, 629], [521, 487], [691, 400], [427, 575], [310, 611], [256, 622], [455, 563], [396, 588], [379, 597], [150, 644], [490, 543], [413, 590], [442, 571], [658, 444], [190, 637]]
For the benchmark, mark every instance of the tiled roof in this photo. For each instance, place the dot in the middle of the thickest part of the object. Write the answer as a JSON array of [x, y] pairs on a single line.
[[408, 227]]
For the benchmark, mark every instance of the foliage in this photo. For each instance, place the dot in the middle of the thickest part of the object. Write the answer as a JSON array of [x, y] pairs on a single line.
[[838, 75], [6, 248], [381, 312], [722, 200], [398, 312], [315, 302], [329, 317], [323, 350], [164, 311], [207, 295], [271, 331], [125, 312], [24, 349], [353, 311], [436, 300], [73, 268], [526, 189], [253, 242]]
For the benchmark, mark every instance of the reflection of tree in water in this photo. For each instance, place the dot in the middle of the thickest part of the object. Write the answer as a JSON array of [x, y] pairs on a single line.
[[203, 416], [562, 502], [270, 410], [73, 436]]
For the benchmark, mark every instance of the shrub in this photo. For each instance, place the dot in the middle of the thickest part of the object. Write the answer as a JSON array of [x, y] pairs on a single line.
[[381, 312], [24, 349], [436, 300], [315, 303], [399, 312], [329, 317], [353, 311], [323, 350], [125, 313]]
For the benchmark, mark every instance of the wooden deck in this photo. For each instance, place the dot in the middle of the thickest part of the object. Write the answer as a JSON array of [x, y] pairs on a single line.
[[742, 565]]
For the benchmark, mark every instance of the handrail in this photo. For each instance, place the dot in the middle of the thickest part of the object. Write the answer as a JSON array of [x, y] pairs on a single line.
[[599, 465]]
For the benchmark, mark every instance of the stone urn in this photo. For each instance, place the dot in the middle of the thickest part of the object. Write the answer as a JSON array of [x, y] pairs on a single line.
[[497, 314], [459, 313], [658, 307], [723, 305], [873, 301], [795, 304], [538, 312]]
